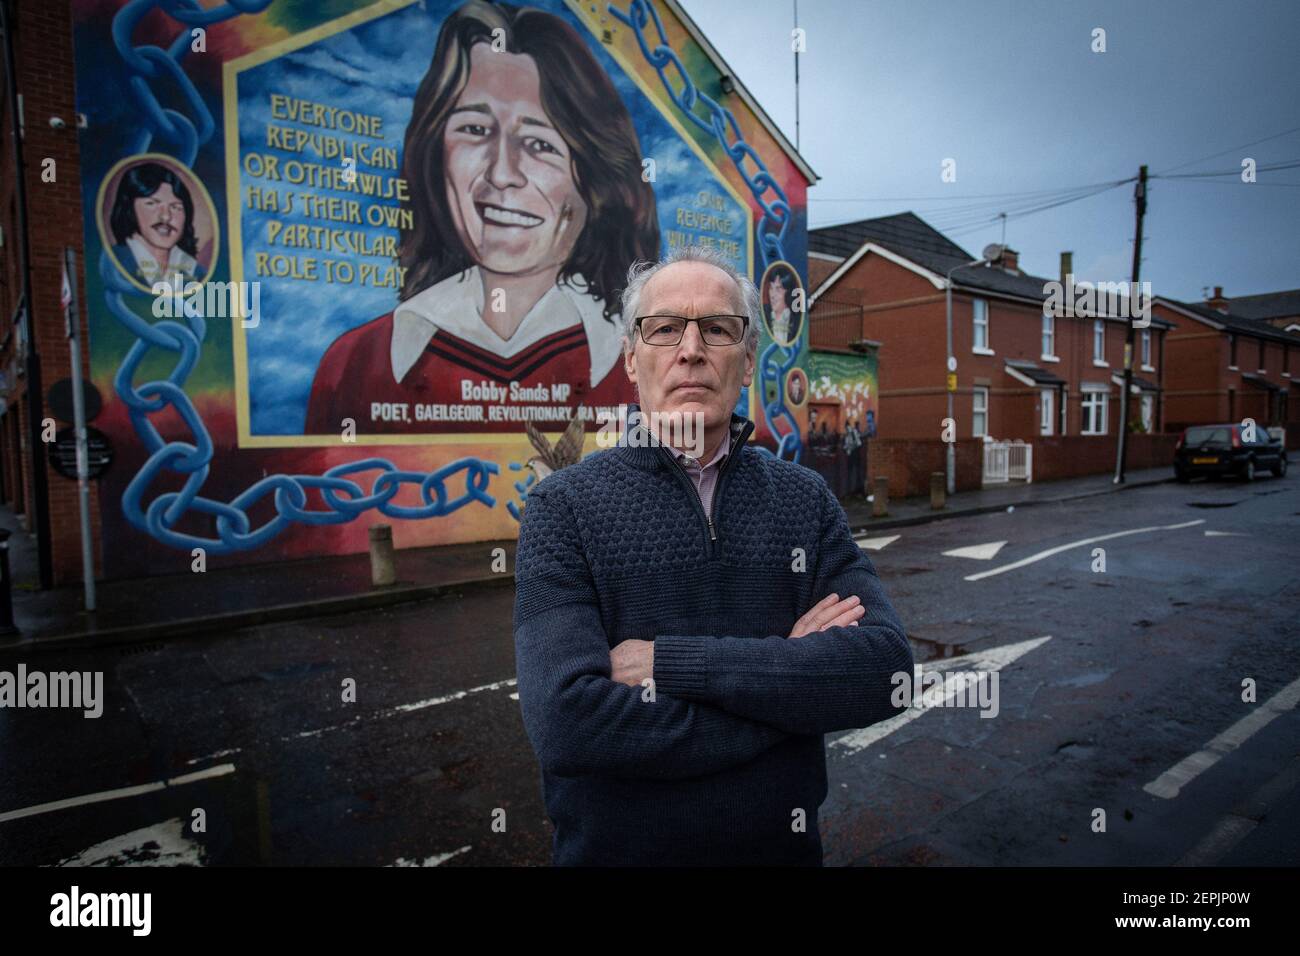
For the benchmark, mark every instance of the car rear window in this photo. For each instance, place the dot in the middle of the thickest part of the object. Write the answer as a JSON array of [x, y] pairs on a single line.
[[1199, 436]]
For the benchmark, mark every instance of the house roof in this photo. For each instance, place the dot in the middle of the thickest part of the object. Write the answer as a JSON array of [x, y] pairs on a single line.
[[908, 235], [1039, 376], [1231, 321], [1261, 382], [1269, 305]]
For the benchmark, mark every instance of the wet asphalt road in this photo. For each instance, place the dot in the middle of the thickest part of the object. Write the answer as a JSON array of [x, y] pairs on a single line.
[[1106, 681]]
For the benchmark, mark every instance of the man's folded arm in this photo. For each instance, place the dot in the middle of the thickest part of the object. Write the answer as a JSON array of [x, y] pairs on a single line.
[[838, 678], [578, 720]]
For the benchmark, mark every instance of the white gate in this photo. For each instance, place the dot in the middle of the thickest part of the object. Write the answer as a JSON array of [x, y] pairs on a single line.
[[1008, 461]]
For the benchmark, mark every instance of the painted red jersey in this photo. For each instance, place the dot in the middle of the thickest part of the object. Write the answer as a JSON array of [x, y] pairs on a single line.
[[455, 387]]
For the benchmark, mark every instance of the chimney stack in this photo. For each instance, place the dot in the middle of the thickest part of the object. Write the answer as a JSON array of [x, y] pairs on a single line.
[[1067, 265], [1217, 301], [1009, 260]]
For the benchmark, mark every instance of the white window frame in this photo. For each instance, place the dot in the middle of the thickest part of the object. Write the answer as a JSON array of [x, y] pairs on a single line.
[[1047, 412], [1093, 400], [1099, 339], [1049, 338], [1147, 411], [979, 409], [980, 320], [1146, 351]]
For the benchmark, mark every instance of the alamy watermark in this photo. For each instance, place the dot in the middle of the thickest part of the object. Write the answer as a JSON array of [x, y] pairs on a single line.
[[208, 300], [637, 429], [84, 691], [1096, 300], [926, 689]]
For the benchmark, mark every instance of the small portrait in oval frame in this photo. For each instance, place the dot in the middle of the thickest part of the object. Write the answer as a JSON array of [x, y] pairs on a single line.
[[783, 303], [796, 386], [157, 220]]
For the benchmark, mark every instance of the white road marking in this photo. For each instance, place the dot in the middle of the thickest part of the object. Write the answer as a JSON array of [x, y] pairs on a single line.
[[432, 860], [105, 795], [1169, 783], [1226, 534], [404, 709], [219, 753], [1078, 544], [875, 544], [986, 661], [170, 847], [980, 552]]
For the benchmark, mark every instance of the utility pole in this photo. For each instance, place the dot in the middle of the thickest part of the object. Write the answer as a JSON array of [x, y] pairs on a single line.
[[796, 79], [1121, 450]]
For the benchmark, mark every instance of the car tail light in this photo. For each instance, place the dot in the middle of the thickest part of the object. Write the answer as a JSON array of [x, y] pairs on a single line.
[[1181, 438], [1236, 438]]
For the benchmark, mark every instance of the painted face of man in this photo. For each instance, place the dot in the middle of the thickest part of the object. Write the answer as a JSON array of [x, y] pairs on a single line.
[[161, 217], [693, 376], [509, 172]]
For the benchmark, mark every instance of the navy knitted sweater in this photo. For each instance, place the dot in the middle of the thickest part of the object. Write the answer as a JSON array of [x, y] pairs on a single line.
[[722, 760]]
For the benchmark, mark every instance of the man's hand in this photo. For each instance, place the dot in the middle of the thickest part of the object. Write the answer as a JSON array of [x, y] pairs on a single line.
[[830, 611], [632, 662]]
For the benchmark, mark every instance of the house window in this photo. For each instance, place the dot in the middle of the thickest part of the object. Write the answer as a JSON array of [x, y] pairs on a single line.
[[1286, 360], [1261, 355], [1232, 351], [1094, 412], [1146, 348], [980, 313], [1046, 407], [980, 411], [1049, 335], [1098, 342]]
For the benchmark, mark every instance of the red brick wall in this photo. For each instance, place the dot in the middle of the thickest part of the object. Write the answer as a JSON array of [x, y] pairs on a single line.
[[908, 464], [1075, 456], [44, 64]]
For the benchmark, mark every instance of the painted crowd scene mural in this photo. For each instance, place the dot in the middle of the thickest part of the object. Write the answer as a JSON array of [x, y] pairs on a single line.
[[344, 258]]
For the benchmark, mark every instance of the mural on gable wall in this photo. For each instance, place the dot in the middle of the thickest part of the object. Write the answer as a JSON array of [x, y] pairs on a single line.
[[337, 258]]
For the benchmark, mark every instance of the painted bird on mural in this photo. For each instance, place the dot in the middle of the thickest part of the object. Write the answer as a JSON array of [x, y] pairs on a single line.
[[566, 451]]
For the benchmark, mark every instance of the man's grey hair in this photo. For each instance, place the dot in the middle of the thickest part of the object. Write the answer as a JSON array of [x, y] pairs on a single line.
[[642, 272]]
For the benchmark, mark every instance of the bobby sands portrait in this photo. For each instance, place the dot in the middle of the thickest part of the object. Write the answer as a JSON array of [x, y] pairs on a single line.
[[152, 224], [524, 173], [782, 319]]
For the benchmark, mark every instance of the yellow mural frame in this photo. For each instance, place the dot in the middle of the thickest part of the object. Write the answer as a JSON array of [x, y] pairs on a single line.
[[235, 243]]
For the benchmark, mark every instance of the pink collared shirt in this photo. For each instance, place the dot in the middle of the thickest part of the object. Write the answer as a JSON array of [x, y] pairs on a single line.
[[705, 477]]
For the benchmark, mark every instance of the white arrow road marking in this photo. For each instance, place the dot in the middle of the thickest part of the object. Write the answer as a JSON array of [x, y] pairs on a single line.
[[1077, 544], [163, 844], [1226, 534], [218, 771], [984, 662], [980, 552], [1188, 769], [875, 544]]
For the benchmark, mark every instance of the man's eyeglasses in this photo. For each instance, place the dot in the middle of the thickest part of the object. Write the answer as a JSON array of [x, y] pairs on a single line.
[[715, 329]]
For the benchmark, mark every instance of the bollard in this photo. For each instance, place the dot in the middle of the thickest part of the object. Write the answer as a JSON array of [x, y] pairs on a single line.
[[383, 570], [880, 501], [938, 490], [6, 593]]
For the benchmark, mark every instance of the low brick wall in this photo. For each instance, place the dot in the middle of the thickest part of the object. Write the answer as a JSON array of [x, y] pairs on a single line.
[[907, 463], [1074, 456]]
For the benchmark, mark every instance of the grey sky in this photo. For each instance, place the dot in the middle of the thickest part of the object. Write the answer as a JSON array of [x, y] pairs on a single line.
[[1012, 90]]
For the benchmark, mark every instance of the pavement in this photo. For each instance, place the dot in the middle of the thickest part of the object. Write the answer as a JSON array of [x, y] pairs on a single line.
[[129, 611]]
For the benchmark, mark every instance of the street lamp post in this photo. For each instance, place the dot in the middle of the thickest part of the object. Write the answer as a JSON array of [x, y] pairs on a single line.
[[950, 463]]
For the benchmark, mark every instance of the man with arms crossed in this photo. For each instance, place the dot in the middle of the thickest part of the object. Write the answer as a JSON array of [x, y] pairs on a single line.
[[686, 629]]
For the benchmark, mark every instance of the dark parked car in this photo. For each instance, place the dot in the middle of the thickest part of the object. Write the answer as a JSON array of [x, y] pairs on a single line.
[[1224, 450]]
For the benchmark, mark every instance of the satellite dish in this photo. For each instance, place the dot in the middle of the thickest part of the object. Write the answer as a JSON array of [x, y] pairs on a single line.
[[993, 251]]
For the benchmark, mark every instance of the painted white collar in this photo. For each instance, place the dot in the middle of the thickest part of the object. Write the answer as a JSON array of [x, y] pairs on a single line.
[[456, 304], [177, 261]]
